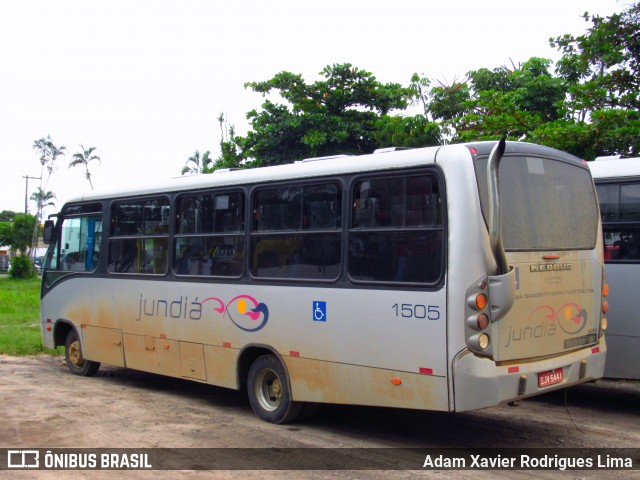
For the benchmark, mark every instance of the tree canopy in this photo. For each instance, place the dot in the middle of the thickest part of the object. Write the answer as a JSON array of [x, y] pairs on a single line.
[[18, 232], [587, 104], [601, 73], [331, 116]]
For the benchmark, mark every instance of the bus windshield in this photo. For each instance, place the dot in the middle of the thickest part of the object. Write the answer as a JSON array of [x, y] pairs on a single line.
[[539, 214]]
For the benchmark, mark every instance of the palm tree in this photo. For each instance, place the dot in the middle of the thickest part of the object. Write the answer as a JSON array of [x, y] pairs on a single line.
[[198, 164], [48, 155], [84, 157], [43, 199]]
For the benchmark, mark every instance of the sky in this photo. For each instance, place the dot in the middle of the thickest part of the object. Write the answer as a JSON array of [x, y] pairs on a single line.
[[144, 82]]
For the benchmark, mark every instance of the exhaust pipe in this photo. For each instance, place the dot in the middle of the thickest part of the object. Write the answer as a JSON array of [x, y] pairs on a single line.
[[495, 217]]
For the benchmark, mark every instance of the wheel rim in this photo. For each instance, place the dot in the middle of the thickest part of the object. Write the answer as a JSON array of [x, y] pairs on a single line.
[[269, 390], [75, 354]]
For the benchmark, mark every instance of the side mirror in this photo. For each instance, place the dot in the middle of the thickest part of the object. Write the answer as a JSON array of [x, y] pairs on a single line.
[[47, 233]]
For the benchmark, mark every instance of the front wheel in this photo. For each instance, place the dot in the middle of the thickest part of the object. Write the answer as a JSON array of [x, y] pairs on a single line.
[[76, 362], [269, 391]]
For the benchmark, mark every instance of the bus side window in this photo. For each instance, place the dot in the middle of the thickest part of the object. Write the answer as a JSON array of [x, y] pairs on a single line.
[[210, 238], [297, 232], [621, 242], [139, 237], [396, 230]]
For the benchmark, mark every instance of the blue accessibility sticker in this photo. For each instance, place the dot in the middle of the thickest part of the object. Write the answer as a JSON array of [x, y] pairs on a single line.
[[319, 311]]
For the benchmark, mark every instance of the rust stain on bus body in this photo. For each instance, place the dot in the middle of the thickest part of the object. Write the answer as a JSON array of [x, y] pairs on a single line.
[[316, 381], [220, 364]]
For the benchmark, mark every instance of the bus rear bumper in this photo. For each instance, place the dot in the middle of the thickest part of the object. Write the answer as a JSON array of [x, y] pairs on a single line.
[[480, 382]]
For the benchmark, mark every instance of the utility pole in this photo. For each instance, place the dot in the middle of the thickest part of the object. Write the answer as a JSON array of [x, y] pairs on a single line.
[[26, 191]]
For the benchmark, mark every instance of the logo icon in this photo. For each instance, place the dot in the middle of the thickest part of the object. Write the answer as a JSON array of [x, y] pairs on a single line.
[[23, 459], [572, 318], [244, 311]]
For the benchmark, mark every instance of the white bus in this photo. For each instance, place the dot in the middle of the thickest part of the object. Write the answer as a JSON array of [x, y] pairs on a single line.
[[618, 186], [402, 279]]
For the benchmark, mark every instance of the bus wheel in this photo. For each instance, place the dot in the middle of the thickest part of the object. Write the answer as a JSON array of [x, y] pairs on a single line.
[[269, 392], [75, 361]]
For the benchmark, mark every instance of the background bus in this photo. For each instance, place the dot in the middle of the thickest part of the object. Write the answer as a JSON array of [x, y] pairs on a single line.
[[618, 186], [445, 278]]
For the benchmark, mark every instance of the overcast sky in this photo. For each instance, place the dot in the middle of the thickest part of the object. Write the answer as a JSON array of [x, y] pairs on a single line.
[[144, 81]]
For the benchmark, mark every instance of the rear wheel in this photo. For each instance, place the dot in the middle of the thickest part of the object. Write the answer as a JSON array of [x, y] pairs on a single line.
[[76, 362], [269, 391]]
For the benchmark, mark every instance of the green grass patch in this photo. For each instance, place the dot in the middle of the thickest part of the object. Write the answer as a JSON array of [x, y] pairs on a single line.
[[20, 318]]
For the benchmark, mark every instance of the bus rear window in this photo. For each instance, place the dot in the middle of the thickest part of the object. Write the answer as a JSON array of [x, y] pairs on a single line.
[[547, 204]]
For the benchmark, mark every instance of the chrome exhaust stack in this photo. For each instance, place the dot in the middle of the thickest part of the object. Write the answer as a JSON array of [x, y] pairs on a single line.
[[495, 217]]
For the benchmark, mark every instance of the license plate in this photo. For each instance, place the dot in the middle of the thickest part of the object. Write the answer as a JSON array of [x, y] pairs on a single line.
[[550, 377]]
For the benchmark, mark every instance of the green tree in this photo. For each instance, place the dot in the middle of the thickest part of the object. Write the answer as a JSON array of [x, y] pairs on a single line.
[[601, 73], [511, 101], [6, 233], [84, 157], [407, 132], [17, 234], [49, 153], [604, 62], [197, 163], [230, 156], [7, 216], [43, 199], [335, 115]]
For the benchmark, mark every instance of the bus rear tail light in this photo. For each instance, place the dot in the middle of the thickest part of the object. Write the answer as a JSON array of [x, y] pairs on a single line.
[[604, 306], [479, 342], [478, 322], [477, 318], [478, 301]]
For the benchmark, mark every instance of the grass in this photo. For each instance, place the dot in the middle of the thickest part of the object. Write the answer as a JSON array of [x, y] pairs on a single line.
[[20, 318]]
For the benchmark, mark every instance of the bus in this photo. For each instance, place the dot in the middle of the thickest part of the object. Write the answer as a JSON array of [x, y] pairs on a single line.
[[618, 187], [444, 278]]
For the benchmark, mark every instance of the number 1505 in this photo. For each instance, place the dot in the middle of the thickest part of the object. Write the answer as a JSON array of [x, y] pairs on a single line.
[[410, 310]]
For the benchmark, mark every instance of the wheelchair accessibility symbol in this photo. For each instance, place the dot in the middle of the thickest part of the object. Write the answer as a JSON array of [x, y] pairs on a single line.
[[319, 311]]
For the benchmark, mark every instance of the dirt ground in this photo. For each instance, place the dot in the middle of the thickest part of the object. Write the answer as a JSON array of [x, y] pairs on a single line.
[[44, 406]]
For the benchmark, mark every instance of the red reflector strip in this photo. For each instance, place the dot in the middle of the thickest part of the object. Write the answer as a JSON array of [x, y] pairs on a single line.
[[294, 354], [595, 350], [514, 369], [426, 371], [551, 257], [83, 326], [226, 344], [163, 335], [48, 320]]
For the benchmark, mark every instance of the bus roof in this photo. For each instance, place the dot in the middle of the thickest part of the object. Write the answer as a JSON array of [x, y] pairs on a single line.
[[384, 159], [309, 168], [615, 167]]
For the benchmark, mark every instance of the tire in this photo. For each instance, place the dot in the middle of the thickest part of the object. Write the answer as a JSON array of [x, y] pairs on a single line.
[[269, 392], [78, 365]]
